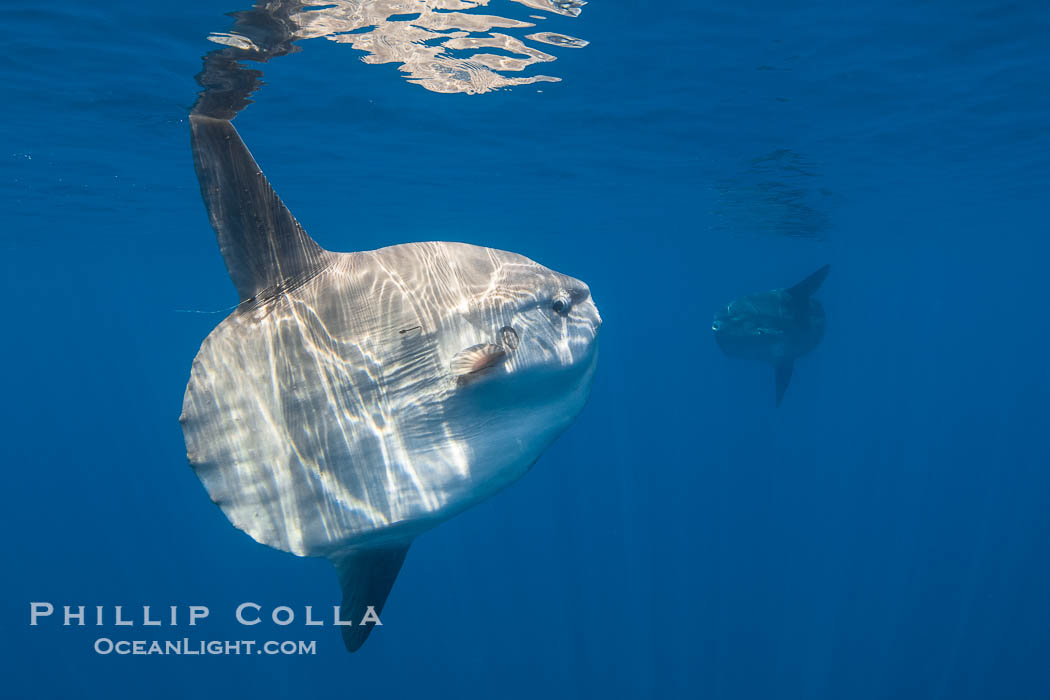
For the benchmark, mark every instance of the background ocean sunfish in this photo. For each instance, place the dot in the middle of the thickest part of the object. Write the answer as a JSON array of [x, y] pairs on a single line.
[[775, 326], [354, 400]]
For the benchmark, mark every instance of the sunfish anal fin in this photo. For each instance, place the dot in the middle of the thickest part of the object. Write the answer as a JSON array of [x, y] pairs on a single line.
[[366, 576], [265, 249], [783, 375], [468, 363]]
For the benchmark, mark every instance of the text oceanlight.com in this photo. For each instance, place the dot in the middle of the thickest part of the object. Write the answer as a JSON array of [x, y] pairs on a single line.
[[191, 647]]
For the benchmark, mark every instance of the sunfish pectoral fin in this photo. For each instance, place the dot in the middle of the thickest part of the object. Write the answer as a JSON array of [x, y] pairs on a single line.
[[783, 376], [366, 576], [805, 288], [263, 245], [469, 363]]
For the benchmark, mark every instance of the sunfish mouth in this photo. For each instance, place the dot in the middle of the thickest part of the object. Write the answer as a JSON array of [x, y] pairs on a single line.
[[472, 363]]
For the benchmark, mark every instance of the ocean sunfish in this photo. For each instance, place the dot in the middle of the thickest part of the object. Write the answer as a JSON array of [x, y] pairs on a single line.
[[777, 326], [354, 400]]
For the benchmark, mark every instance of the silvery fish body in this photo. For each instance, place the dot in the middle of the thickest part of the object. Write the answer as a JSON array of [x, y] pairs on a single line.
[[777, 326], [354, 400], [329, 416]]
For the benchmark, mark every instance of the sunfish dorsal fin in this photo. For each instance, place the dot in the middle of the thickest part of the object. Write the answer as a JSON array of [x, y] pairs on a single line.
[[783, 376], [264, 247], [366, 576], [805, 288]]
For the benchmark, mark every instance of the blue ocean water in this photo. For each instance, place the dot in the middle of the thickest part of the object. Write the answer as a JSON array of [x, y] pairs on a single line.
[[880, 534]]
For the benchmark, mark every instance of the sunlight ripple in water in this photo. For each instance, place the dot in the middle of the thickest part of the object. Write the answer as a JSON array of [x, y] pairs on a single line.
[[443, 45]]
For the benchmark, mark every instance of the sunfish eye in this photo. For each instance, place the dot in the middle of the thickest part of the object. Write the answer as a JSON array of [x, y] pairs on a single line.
[[561, 303]]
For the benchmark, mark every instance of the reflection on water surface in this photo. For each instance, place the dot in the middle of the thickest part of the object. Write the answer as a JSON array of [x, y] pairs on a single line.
[[443, 45], [779, 193]]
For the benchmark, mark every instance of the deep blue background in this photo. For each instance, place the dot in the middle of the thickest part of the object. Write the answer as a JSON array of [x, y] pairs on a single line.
[[882, 534]]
